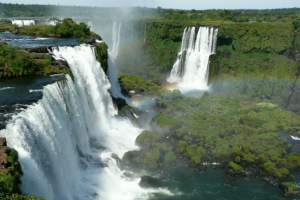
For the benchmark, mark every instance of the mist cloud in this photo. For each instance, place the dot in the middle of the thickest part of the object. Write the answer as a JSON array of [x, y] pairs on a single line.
[[177, 4]]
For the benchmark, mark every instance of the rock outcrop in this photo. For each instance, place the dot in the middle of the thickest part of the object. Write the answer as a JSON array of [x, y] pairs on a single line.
[[4, 152], [287, 189], [148, 181]]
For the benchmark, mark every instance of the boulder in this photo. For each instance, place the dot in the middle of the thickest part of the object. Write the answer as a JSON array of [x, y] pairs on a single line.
[[41, 49], [120, 102], [4, 152], [287, 189], [3, 142], [243, 121], [148, 181], [257, 109]]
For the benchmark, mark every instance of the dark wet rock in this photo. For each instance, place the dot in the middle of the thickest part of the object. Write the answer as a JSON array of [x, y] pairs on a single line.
[[55, 40], [4, 153], [243, 121], [61, 64], [5, 21], [138, 90], [118, 160], [120, 102], [257, 109], [15, 31], [288, 178], [41, 49], [287, 189], [90, 41], [148, 181], [131, 160]]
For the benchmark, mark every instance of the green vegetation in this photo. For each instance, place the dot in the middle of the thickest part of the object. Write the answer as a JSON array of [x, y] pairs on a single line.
[[291, 185], [15, 61], [63, 28], [147, 137], [235, 166], [229, 128], [102, 55], [10, 179], [69, 28], [135, 82]]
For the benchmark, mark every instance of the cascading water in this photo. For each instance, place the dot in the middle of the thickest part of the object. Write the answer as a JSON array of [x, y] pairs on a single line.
[[90, 24], [65, 141], [145, 34], [112, 73], [116, 30], [191, 68], [21, 23]]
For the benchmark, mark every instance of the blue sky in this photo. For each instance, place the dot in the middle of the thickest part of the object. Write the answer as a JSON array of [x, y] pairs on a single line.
[[177, 4]]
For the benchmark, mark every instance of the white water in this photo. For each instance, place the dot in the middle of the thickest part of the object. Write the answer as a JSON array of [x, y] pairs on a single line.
[[145, 34], [116, 30], [64, 140], [90, 24], [6, 88], [23, 22], [112, 73], [295, 138], [191, 68]]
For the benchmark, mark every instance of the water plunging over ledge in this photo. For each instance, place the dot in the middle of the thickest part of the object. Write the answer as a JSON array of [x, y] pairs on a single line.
[[191, 68], [66, 139]]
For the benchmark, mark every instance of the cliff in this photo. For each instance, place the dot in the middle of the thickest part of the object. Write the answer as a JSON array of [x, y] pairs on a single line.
[[4, 153]]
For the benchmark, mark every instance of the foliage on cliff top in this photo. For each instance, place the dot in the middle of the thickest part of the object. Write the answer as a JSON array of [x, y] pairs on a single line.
[[102, 55], [135, 82], [15, 61], [258, 37], [63, 28]]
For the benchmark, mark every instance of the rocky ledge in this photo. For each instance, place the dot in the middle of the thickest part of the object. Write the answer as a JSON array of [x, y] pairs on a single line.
[[288, 188], [4, 153]]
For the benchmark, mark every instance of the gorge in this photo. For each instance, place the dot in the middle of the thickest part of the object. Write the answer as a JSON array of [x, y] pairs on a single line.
[[235, 138]]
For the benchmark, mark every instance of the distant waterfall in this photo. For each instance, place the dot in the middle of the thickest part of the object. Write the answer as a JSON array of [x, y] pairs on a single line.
[[112, 73], [90, 24], [191, 68], [116, 30], [145, 34], [65, 140], [21, 23]]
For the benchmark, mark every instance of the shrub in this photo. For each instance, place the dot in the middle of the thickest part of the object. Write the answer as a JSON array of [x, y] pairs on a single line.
[[235, 166]]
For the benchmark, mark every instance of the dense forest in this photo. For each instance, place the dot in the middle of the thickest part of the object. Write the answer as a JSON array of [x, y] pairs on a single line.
[[21, 10]]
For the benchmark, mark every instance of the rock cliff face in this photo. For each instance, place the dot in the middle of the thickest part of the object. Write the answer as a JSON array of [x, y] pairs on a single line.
[[4, 152]]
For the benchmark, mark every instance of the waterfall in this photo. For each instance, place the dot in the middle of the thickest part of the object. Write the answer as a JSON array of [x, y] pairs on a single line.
[[90, 24], [65, 140], [112, 73], [145, 34], [116, 30], [21, 23], [191, 68]]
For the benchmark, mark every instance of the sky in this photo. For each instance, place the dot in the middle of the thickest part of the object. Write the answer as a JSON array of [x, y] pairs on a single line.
[[176, 4]]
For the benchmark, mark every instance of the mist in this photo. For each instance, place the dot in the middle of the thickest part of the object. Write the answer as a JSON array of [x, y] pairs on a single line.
[[188, 4]]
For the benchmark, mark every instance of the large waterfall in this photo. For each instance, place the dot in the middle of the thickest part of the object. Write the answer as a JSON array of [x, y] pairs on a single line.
[[21, 23], [66, 139], [191, 68], [116, 30]]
